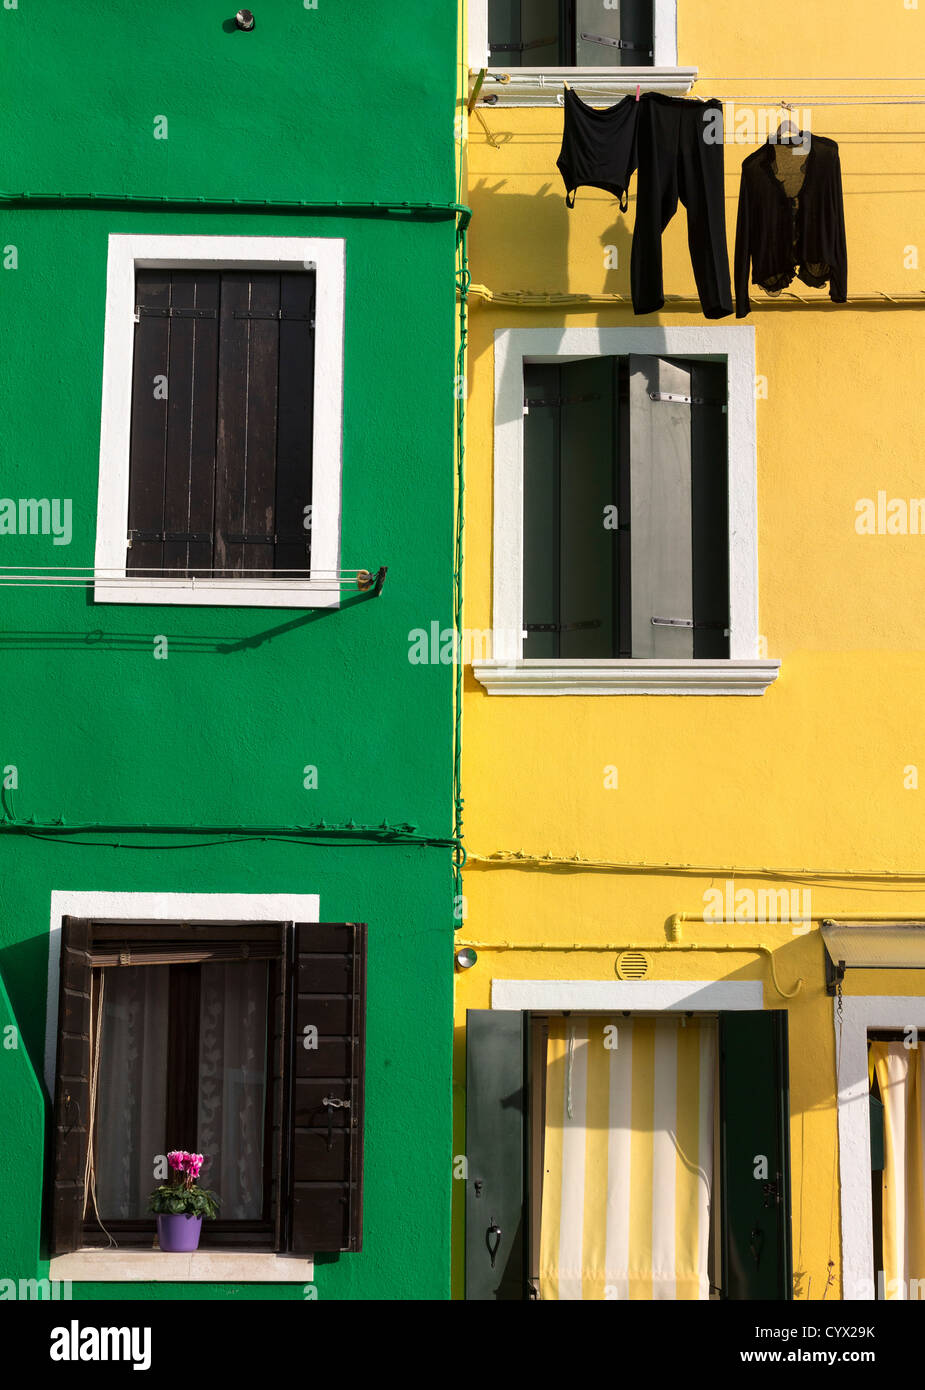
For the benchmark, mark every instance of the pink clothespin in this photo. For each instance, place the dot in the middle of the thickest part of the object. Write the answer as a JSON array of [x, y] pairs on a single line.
[[637, 91]]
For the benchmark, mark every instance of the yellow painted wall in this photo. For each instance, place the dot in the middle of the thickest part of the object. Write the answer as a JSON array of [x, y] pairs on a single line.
[[810, 775]]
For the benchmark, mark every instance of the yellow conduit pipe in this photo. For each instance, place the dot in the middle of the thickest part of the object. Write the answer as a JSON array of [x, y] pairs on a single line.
[[551, 299], [503, 859], [611, 948]]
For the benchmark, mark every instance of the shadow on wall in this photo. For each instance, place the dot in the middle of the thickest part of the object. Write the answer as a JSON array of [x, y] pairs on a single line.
[[22, 1134]]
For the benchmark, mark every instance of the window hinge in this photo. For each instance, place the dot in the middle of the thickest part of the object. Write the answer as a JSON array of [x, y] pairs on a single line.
[[617, 43], [689, 622], [558, 400], [521, 47], [684, 400], [149, 312], [181, 536], [248, 538], [277, 314], [562, 627]]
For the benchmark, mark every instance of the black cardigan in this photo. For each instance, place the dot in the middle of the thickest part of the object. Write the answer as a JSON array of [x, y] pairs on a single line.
[[784, 238]]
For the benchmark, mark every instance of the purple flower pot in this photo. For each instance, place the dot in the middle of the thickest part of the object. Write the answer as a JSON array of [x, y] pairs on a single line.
[[179, 1234]]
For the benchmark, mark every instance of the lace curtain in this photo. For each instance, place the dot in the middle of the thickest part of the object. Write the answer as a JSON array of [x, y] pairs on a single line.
[[132, 1098], [232, 1085]]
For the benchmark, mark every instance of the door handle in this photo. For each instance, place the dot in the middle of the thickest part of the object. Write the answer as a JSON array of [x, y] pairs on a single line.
[[493, 1241], [756, 1245]]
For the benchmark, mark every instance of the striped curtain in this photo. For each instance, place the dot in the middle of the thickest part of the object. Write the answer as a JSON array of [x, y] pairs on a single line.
[[628, 1159], [901, 1078]]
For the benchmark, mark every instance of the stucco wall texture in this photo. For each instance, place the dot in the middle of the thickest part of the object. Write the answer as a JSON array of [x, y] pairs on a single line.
[[820, 771], [320, 104]]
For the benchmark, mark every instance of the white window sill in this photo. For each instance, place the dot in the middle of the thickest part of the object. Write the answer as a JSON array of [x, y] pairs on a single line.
[[200, 1267], [224, 593], [640, 676], [544, 86]]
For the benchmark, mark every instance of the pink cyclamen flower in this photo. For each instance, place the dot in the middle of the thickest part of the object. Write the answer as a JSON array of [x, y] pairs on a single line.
[[195, 1164], [178, 1159]]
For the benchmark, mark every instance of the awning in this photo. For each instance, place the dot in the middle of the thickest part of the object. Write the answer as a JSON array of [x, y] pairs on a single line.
[[871, 946]]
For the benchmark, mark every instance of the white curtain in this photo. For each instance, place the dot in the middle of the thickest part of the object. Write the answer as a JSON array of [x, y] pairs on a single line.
[[628, 1159], [901, 1078], [132, 1096], [232, 1085]]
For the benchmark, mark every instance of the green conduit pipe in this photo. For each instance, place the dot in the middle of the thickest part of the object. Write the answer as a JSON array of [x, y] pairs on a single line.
[[375, 207], [375, 834], [463, 281]]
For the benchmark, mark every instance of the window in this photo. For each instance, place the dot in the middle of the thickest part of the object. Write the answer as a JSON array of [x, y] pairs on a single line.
[[539, 1091], [625, 540], [243, 1042], [625, 509], [570, 33], [528, 46], [220, 451]]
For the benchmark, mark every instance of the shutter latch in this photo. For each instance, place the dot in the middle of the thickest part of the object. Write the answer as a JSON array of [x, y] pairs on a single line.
[[333, 1103]]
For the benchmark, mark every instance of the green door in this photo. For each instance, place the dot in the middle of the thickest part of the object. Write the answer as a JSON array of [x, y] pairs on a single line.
[[496, 1096], [755, 1155]]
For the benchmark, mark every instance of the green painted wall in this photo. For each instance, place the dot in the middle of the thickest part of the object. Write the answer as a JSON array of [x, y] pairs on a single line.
[[351, 102]]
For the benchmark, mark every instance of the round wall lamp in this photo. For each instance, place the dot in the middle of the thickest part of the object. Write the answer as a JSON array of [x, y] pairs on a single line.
[[244, 20], [466, 958]]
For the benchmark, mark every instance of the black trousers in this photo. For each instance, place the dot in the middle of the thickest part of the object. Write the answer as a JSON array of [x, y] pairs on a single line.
[[679, 156]]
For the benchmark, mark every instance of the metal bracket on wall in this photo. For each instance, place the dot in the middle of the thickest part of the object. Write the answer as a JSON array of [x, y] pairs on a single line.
[[834, 974]]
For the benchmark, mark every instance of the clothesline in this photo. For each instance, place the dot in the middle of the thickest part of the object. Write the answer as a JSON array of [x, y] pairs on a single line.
[[769, 102]]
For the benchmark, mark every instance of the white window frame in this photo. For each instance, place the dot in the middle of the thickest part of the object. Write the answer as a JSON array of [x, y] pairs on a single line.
[[208, 909], [860, 1014], [509, 673], [113, 584], [543, 86]]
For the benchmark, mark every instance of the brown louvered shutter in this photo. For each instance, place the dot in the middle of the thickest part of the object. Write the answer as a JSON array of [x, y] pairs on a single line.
[[325, 1131], [72, 1087]]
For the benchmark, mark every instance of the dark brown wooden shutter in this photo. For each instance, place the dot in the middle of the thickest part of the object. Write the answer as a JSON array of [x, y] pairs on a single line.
[[278, 1032], [72, 1086], [149, 421], [325, 1148], [221, 465]]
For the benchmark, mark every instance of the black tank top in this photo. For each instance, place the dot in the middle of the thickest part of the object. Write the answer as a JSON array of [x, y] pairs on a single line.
[[598, 147]]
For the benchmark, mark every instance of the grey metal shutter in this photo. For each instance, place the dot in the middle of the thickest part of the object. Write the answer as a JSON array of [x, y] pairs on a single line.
[[678, 477], [496, 1105], [755, 1124], [570, 557], [524, 33], [662, 603], [601, 33]]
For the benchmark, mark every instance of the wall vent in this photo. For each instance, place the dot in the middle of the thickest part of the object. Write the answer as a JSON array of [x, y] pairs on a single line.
[[632, 965]]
